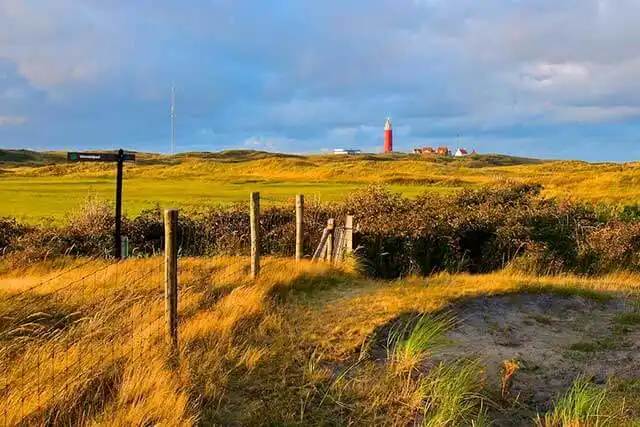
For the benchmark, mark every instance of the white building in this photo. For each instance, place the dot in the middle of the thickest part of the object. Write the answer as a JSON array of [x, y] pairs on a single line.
[[345, 152]]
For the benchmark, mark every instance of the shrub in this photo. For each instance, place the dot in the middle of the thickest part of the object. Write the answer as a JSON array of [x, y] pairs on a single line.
[[610, 246], [10, 231], [475, 231]]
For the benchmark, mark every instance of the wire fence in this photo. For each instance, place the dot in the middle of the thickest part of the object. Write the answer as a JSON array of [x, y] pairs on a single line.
[[279, 228], [65, 338]]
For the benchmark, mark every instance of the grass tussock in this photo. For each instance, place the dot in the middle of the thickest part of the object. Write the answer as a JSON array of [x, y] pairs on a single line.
[[582, 405], [453, 395], [410, 344]]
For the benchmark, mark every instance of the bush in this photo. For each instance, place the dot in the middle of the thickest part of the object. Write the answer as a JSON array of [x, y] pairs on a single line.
[[611, 246], [10, 231], [475, 231]]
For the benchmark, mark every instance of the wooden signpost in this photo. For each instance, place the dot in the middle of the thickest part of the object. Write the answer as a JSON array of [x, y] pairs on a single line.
[[120, 157]]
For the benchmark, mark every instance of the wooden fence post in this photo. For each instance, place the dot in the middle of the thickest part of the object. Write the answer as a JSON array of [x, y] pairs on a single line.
[[348, 234], [299, 226], [330, 227], [319, 251], [255, 234], [171, 276]]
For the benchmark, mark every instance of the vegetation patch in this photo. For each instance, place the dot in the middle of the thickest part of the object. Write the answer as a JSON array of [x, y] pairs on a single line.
[[595, 346], [477, 231], [582, 405], [628, 319], [313, 344]]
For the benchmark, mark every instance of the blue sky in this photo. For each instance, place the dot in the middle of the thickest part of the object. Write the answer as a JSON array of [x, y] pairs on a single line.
[[543, 78]]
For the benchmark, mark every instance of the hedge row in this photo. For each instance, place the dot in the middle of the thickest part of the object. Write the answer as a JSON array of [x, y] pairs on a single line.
[[475, 231]]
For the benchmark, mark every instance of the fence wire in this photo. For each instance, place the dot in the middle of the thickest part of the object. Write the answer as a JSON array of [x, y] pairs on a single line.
[[64, 341]]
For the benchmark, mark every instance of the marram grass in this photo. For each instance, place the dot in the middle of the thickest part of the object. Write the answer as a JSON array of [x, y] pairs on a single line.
[[273, 351]]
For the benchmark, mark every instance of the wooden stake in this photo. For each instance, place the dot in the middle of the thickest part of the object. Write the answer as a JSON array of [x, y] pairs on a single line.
[[299, 226], [330, 227], [255, 234], [348, 234], [319, 250], [171, 276]]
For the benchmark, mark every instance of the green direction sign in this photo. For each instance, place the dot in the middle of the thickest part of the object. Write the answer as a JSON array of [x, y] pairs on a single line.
[[120, 157], [99, 157]]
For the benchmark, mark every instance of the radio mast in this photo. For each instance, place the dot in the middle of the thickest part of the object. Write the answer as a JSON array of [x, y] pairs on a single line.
[[173, 120]]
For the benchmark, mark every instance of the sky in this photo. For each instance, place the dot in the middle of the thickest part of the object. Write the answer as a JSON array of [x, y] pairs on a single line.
[[538, 78]]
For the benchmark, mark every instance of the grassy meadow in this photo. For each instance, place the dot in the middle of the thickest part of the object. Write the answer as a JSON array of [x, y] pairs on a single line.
[[308, 344], [82, 340], [37, 187]]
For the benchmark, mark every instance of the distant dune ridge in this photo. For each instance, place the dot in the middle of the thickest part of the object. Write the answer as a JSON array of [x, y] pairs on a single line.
[[206, 178], [21, 156]]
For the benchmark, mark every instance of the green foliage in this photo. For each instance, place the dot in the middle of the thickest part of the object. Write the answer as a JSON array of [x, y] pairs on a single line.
[[453, 395], [582, 405], [475, 231], [411, 342], [630, 213], [628, 319], [594, 346]]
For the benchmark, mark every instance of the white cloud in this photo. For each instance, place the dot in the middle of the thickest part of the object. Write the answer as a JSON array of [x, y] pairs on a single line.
[[549, 74], [61, 41], [268, 143], [593, 114], [12, 120], [327, 72]]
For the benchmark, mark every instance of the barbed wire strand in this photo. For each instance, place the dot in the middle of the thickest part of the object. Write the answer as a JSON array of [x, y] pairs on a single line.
[[44, 282], [76, 366], [55, 325]]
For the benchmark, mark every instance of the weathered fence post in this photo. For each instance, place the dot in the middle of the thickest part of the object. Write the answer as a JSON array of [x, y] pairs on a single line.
[[255, 234], [299, 226], [321, 246], [348, 234], [330, 227], [171, 276]]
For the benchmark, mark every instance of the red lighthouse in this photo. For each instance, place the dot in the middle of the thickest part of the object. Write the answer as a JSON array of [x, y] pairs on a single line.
[[388, 137]]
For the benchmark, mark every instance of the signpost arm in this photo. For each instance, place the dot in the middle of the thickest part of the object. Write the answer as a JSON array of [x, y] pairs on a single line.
[[118, 233]]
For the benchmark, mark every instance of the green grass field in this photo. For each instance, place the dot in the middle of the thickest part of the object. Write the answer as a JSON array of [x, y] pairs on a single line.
[[33, 198], [35, 186]]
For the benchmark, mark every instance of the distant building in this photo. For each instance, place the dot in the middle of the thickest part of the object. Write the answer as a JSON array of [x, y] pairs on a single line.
[[440, 151], [443, 151], [424, 150], [461, 152], [347, 151]]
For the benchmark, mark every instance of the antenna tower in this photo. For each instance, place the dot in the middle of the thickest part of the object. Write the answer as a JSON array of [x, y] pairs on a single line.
[[173, 120]]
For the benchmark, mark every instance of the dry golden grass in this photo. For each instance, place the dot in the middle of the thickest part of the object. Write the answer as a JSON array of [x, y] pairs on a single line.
[[294, 347], [93, 352]]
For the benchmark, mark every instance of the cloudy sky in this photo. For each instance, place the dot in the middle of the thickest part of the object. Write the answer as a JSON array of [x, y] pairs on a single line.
[[544, 78]]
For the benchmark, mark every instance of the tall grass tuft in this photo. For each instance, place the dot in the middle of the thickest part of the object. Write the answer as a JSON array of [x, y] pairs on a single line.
[[411, 342], [453, 395], [581, 405]]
